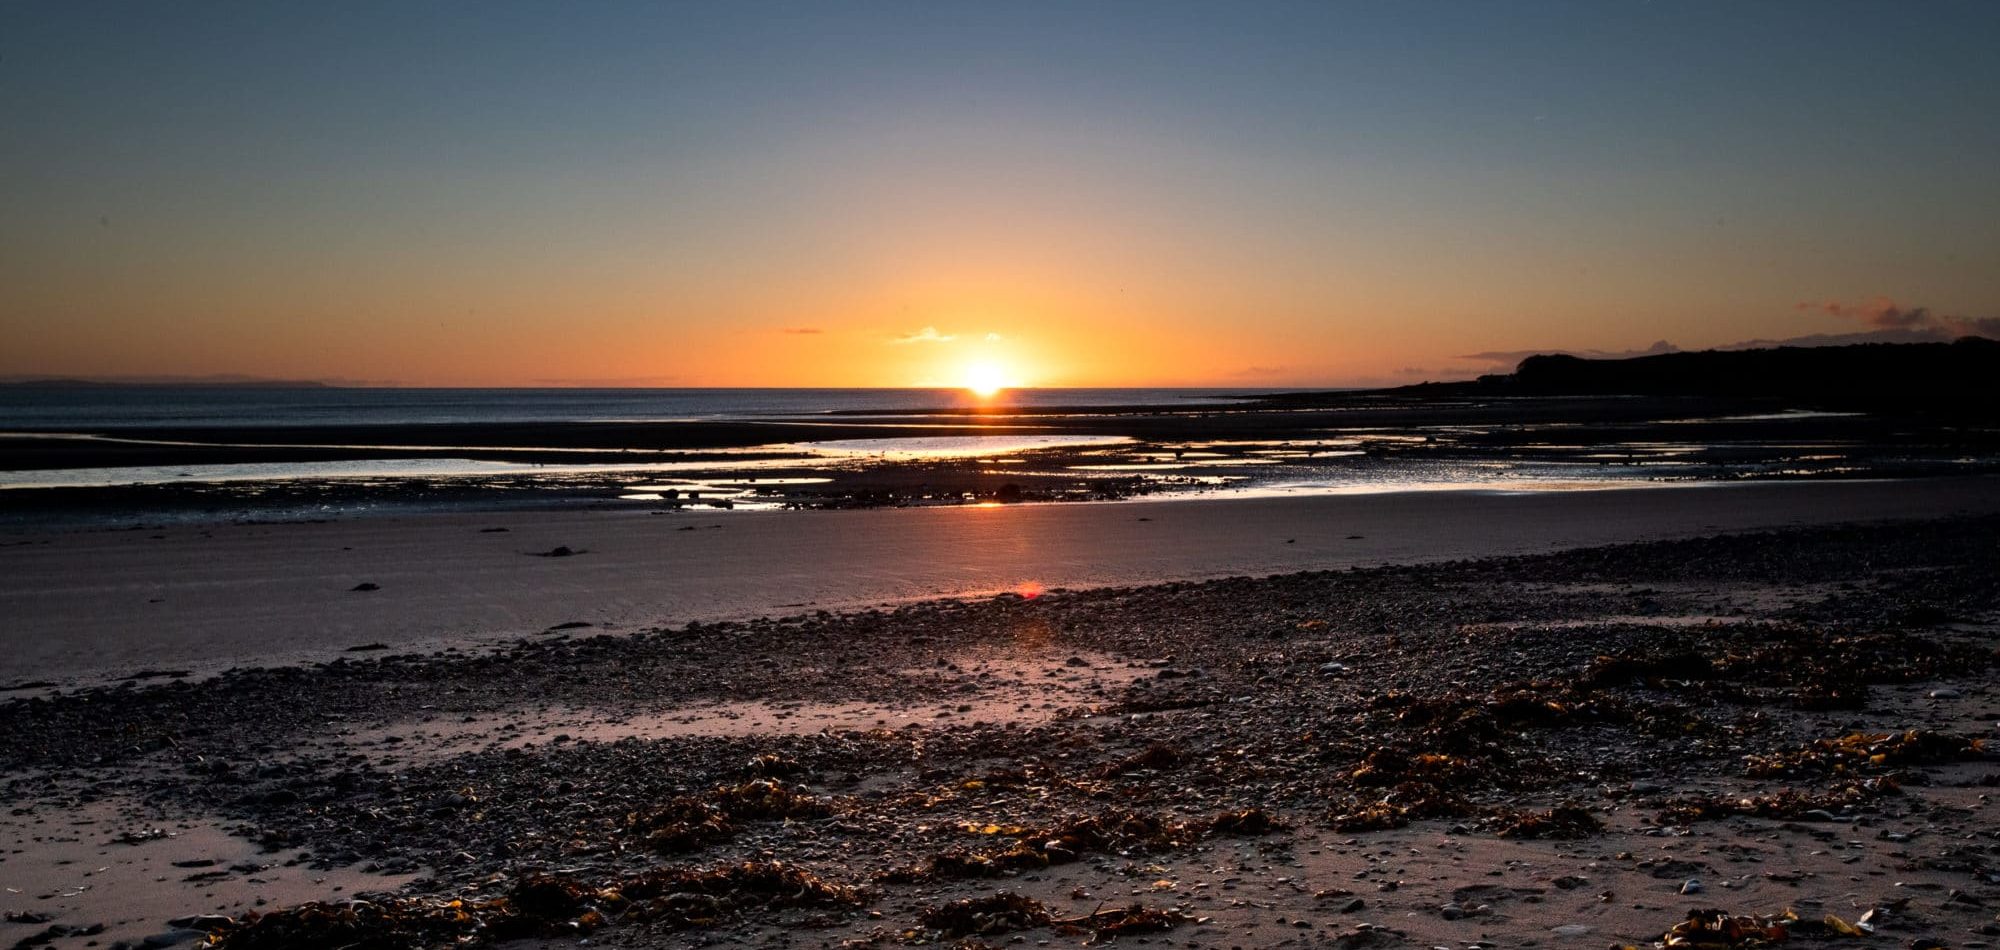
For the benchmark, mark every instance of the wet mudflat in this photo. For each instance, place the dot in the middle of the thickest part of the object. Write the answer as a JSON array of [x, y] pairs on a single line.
[[1730, 741]]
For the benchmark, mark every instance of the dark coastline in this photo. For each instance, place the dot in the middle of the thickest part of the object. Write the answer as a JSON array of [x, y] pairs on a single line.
[[1838, 412]]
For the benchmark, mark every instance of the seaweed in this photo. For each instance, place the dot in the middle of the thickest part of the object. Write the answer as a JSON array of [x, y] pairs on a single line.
[[985, 916], [537, 906]]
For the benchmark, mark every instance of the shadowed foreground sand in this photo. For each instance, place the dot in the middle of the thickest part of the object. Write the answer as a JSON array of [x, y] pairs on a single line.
[[1571, 750], [86, 605]]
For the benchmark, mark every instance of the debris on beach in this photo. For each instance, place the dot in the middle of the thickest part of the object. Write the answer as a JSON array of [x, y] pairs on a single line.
[[1835, 804], [1220, 742], [1125, 921], [1715, 928], [1859, 751], [1111, 832], [1721, 930], [1566, 821], [986, 916], [690, 823], [538, 906]]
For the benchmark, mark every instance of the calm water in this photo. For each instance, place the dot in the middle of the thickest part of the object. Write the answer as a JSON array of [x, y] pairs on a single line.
[[1339, 461], [64, 409]]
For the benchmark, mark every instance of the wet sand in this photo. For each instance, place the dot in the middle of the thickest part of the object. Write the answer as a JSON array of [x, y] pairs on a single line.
[[87, 605]]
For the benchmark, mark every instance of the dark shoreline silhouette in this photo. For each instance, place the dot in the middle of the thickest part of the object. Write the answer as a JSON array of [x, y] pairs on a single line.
[[1953, 378], [1946, 380], [1868, 411]]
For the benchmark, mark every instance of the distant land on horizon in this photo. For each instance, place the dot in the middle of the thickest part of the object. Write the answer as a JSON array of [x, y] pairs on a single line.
[[1953, 377], [211, 382], [1864, 367]]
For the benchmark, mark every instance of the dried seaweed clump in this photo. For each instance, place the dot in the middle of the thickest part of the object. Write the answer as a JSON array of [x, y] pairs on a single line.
[[1389, 765], [1470, 736], [985, 916], [1814, 669], [1247, 822], [1860, 751], [1652, 669], [1788, 804], [690, 823], [1154, 758], [683, 897], [1407, 802], [538, 906], [1136, 919], [1712, 929], [1113, 832], [1562, 822], [1715, 928]]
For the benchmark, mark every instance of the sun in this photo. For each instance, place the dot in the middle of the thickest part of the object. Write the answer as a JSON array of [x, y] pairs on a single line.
[[985, 379]]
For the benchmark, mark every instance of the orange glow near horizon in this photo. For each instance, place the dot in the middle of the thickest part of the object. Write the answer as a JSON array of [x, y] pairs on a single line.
[[1244, 197]]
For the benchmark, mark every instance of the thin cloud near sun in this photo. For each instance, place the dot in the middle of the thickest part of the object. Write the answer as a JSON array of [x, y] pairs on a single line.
[[925, 335]]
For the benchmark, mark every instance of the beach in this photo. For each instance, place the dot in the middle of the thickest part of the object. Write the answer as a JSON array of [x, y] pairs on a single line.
[[1411, 719], [88, 605], [961, 475]]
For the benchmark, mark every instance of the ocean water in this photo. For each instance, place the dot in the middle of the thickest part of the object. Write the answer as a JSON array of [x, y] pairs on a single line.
[[1565, 457], [55, 408]]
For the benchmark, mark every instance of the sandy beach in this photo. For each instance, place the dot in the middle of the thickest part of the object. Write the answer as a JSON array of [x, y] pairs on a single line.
[[83, 606], [1445, 748], [968, 475]]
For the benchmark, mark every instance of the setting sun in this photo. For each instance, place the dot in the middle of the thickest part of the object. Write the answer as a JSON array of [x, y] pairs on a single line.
[[985, 379]]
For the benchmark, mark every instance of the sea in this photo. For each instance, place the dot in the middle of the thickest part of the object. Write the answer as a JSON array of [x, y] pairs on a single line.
[[90, 408], [1556, 457]]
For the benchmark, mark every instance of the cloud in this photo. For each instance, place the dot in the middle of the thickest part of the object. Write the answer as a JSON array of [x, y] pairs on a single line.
[[801, 331], [1883, 313], [1988, 327], [1509, 358], [925, 335], [1893, 335], [992, 337], [1257, 372], [610, 382], [1879, 312]]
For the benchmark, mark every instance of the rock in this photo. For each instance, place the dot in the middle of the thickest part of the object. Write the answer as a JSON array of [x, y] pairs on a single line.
[[1945, 692], [1569, 930], [1691, 886], [365, 586]]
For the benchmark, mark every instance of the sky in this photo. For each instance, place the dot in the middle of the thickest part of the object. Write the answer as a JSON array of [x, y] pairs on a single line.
[[1065, 194]]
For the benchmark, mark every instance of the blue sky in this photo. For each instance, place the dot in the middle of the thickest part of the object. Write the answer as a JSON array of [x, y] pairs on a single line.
[[1322, 192]]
